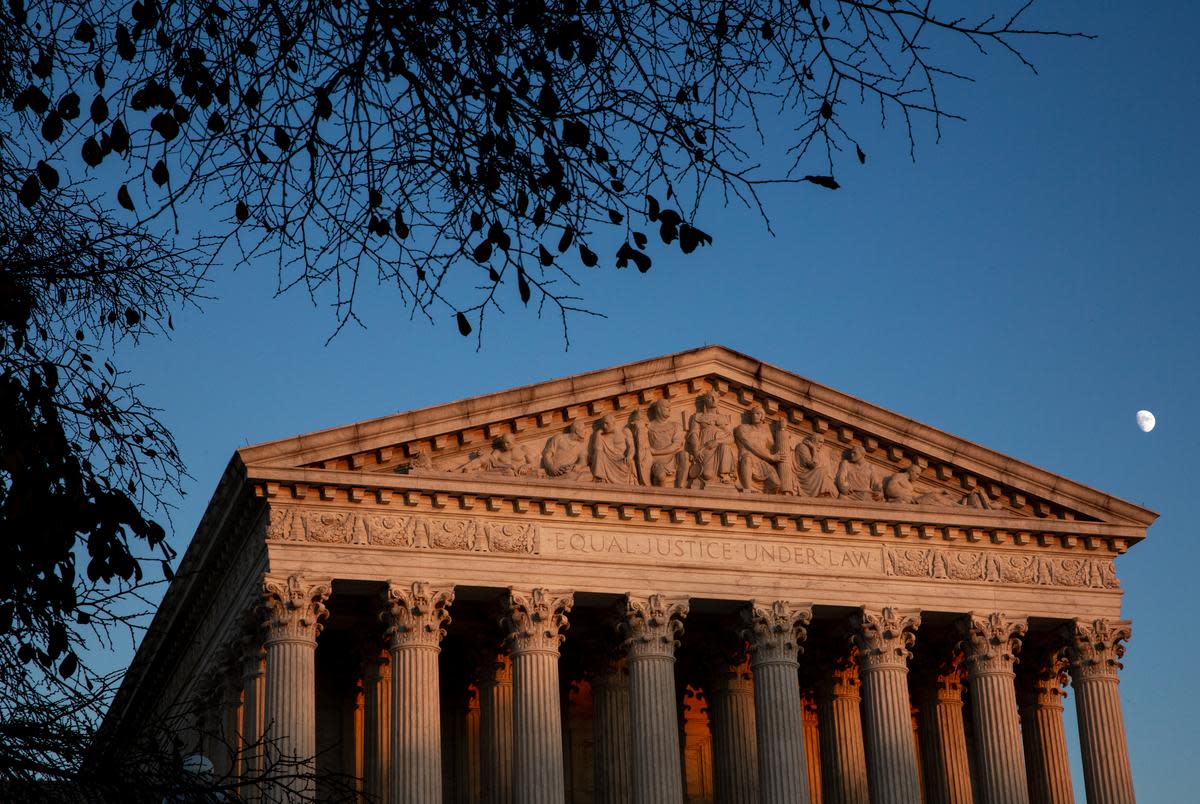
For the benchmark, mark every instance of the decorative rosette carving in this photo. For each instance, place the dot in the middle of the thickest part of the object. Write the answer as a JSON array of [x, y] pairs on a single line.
[[1096, 647], [535, 621], [991, 642], [885, 638], [293, 608], [416, 615], [653, 624], [776, 631]]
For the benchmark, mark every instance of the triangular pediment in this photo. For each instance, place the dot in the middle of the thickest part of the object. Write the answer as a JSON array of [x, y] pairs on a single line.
[[707, 422]]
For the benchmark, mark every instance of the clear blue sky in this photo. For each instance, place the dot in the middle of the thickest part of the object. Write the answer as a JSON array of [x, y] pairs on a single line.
[[1029, 283]]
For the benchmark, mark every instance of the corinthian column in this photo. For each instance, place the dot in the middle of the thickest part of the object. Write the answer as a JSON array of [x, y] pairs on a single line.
[[294, 608], [735, 747], [812, 746], [1039, 700], [651, 629], [496, 730], [416, 616], [885, 638], [775, 632], [844, 774], [990, 646], [377, 721], [253, 710], [1095, 650], [535, 624], [613, 758], [944, 757]]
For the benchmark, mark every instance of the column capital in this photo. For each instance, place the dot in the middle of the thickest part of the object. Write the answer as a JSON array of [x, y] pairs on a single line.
[[939, 679], [991, 642], [775, 631], [294, 608], [885, 637], [837, 675], [416, 614], [536, 620], [652, 624], [1043, 681], [1095, 648]]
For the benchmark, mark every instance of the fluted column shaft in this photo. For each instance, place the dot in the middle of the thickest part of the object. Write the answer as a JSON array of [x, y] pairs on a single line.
[[990, 645], [471, 749], [775, 631], [735, 739], [294, 609], [839, 707], [377, 724], [1095, 652], [884, 639], [253, 712], [496, 731], [612, 740], [416, 614], [1039, 700], [812, 747], [651, 627], [535, 624], [945, 762]]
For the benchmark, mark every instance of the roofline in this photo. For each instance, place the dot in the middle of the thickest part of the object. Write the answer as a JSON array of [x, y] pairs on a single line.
[[751, 372]]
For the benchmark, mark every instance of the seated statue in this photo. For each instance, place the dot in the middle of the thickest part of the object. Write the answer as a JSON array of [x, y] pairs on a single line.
[[565, 455], [709, 445], [506, 457], [901, 487], [856, 477], [814, 472], [758, 461], [612, 452]]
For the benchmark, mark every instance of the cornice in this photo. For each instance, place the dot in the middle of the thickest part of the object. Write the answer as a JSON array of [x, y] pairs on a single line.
[[549, 498]]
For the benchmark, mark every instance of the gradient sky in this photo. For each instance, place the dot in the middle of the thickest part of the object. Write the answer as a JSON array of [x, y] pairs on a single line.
[[1029, 283]]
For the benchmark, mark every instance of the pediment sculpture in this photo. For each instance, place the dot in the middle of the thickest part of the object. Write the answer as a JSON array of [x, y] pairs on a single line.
[[710, 446]]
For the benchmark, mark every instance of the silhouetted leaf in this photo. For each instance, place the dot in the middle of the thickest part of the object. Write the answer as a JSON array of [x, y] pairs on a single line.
[[564, 242], [639, 239], [615, 217], [119, 138], [652, 208], [690, 237], [52, 127], [862, 157], [587, 256], [159, 174], [522, 286], [132, 318], [91, 152], [125, 47], [216, 123], [824, 23], [402, 228], [165, 125], [374, 198], [483, 252], [33, 98], [44, 65], [69, 665], [68, 106], [47, 175], [84, 32], [544, 256], [324, 108], [30, 191], [464, 326], [476, 221], [123, 198], [283, 140], [99, 110], [98, 74], [824, 181], [242, 212], [826, 109]]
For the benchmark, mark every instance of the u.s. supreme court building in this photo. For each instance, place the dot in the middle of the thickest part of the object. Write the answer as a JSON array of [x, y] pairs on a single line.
[[695, 578]]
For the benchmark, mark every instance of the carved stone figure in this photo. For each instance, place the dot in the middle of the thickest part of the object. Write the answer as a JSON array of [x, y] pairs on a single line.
[[856, 478], [506, 458], [758, 462], [660, 455], [709, 445], [814, 471], [901, 487], [566, 455], [612, 452]]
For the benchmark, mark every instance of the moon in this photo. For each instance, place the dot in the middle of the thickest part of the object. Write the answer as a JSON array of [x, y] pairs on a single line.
[[1145, 421]]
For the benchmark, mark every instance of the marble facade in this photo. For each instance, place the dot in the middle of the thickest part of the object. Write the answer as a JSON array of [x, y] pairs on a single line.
[[696, 578]]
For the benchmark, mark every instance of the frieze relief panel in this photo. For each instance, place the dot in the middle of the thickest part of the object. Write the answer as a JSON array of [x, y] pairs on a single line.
[[999, 567], [717, 438], [414, 531]]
